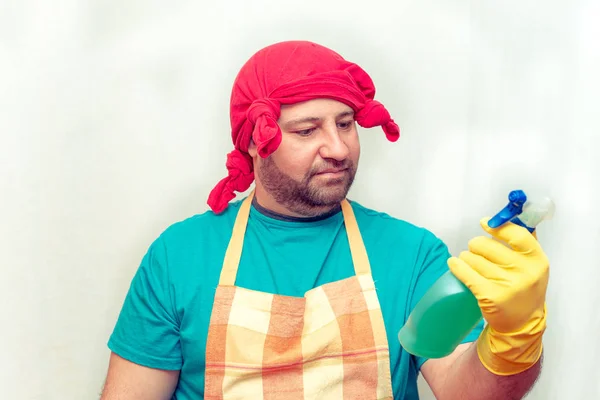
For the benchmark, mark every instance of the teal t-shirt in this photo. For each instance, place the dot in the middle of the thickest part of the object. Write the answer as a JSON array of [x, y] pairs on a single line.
[[164, 320]]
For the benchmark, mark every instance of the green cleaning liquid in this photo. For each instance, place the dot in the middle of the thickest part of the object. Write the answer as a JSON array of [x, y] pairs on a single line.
[[441, 319]]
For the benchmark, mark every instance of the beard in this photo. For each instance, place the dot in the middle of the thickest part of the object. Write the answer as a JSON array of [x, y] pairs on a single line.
[[312, 195]]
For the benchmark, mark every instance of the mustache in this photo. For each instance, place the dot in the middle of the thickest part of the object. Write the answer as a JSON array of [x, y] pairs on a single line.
[[334, 164]]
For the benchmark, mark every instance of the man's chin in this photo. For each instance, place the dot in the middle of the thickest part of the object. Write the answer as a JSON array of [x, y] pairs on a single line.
[[331, 195]]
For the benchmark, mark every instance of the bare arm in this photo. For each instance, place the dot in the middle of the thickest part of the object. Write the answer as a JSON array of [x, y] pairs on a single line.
[[462, 376], [128, 381]]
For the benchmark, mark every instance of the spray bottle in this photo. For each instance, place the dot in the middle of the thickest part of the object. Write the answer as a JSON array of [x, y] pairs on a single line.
[[449, 311]]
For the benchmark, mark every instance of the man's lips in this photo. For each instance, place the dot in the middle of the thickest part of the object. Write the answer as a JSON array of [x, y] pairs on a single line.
[[332, 171]]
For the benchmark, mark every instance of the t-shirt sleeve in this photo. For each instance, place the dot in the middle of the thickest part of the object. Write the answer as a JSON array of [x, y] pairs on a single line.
[[433, 261], [147, 329]]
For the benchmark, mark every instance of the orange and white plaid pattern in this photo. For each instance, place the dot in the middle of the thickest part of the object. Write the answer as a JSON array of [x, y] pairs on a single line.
[[329, 344]]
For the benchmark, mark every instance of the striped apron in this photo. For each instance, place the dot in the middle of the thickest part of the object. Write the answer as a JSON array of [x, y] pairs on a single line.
[[329, 344]]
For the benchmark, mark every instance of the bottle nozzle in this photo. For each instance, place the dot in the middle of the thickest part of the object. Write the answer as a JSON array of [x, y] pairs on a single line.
[[523, 212]]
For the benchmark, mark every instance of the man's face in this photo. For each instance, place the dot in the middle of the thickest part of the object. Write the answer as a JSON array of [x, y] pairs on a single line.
[[315, 164]]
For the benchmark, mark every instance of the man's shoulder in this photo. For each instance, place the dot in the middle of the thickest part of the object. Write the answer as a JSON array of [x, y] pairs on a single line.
[[202, 226], [385, 229], [372, 216]]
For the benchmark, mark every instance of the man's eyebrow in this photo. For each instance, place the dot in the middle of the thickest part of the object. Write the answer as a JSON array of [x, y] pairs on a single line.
[[301, 120], [297, 121], [343, 114]]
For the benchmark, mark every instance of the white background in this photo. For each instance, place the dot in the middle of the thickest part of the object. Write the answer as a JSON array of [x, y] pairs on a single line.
[[114, 124]]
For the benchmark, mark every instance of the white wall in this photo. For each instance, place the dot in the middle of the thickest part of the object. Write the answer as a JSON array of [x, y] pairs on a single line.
[[114, 124]]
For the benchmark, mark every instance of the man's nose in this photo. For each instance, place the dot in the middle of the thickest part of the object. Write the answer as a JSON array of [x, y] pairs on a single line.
[[333, 145]]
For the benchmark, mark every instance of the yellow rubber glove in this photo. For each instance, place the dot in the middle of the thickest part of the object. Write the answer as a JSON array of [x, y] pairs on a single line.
[[509, 277]]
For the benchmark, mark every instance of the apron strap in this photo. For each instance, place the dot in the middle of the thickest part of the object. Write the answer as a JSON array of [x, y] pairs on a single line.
[[360, 258], [233, 254], [236, 243]]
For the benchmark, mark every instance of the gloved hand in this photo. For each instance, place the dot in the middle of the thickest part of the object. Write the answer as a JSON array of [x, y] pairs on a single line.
[[509, 277]]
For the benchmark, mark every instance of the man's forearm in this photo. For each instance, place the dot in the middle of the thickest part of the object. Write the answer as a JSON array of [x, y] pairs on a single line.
[[468, 379]]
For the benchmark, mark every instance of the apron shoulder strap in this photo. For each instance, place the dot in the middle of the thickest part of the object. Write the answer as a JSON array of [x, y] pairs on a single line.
[[360, 258], [236, 243]]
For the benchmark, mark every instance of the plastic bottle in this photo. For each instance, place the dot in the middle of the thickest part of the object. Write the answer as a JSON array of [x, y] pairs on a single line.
[[448, 311]]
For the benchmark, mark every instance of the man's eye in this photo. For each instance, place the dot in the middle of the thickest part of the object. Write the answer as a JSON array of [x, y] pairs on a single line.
[[305, 132], [345, 125]]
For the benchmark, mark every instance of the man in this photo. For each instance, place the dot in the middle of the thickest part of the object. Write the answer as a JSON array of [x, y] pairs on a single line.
[[297, 293]]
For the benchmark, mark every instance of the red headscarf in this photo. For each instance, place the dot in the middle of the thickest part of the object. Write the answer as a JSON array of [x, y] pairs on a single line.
[[287, 73]]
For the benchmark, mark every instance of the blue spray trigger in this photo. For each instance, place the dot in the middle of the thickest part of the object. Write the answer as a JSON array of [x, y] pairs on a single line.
[[516, 200]]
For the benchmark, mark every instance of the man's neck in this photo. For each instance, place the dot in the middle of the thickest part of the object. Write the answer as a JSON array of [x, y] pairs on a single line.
[[289, 218], [266, 202]]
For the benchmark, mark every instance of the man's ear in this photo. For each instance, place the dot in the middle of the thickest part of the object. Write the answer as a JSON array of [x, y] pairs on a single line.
[[252, 150]]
